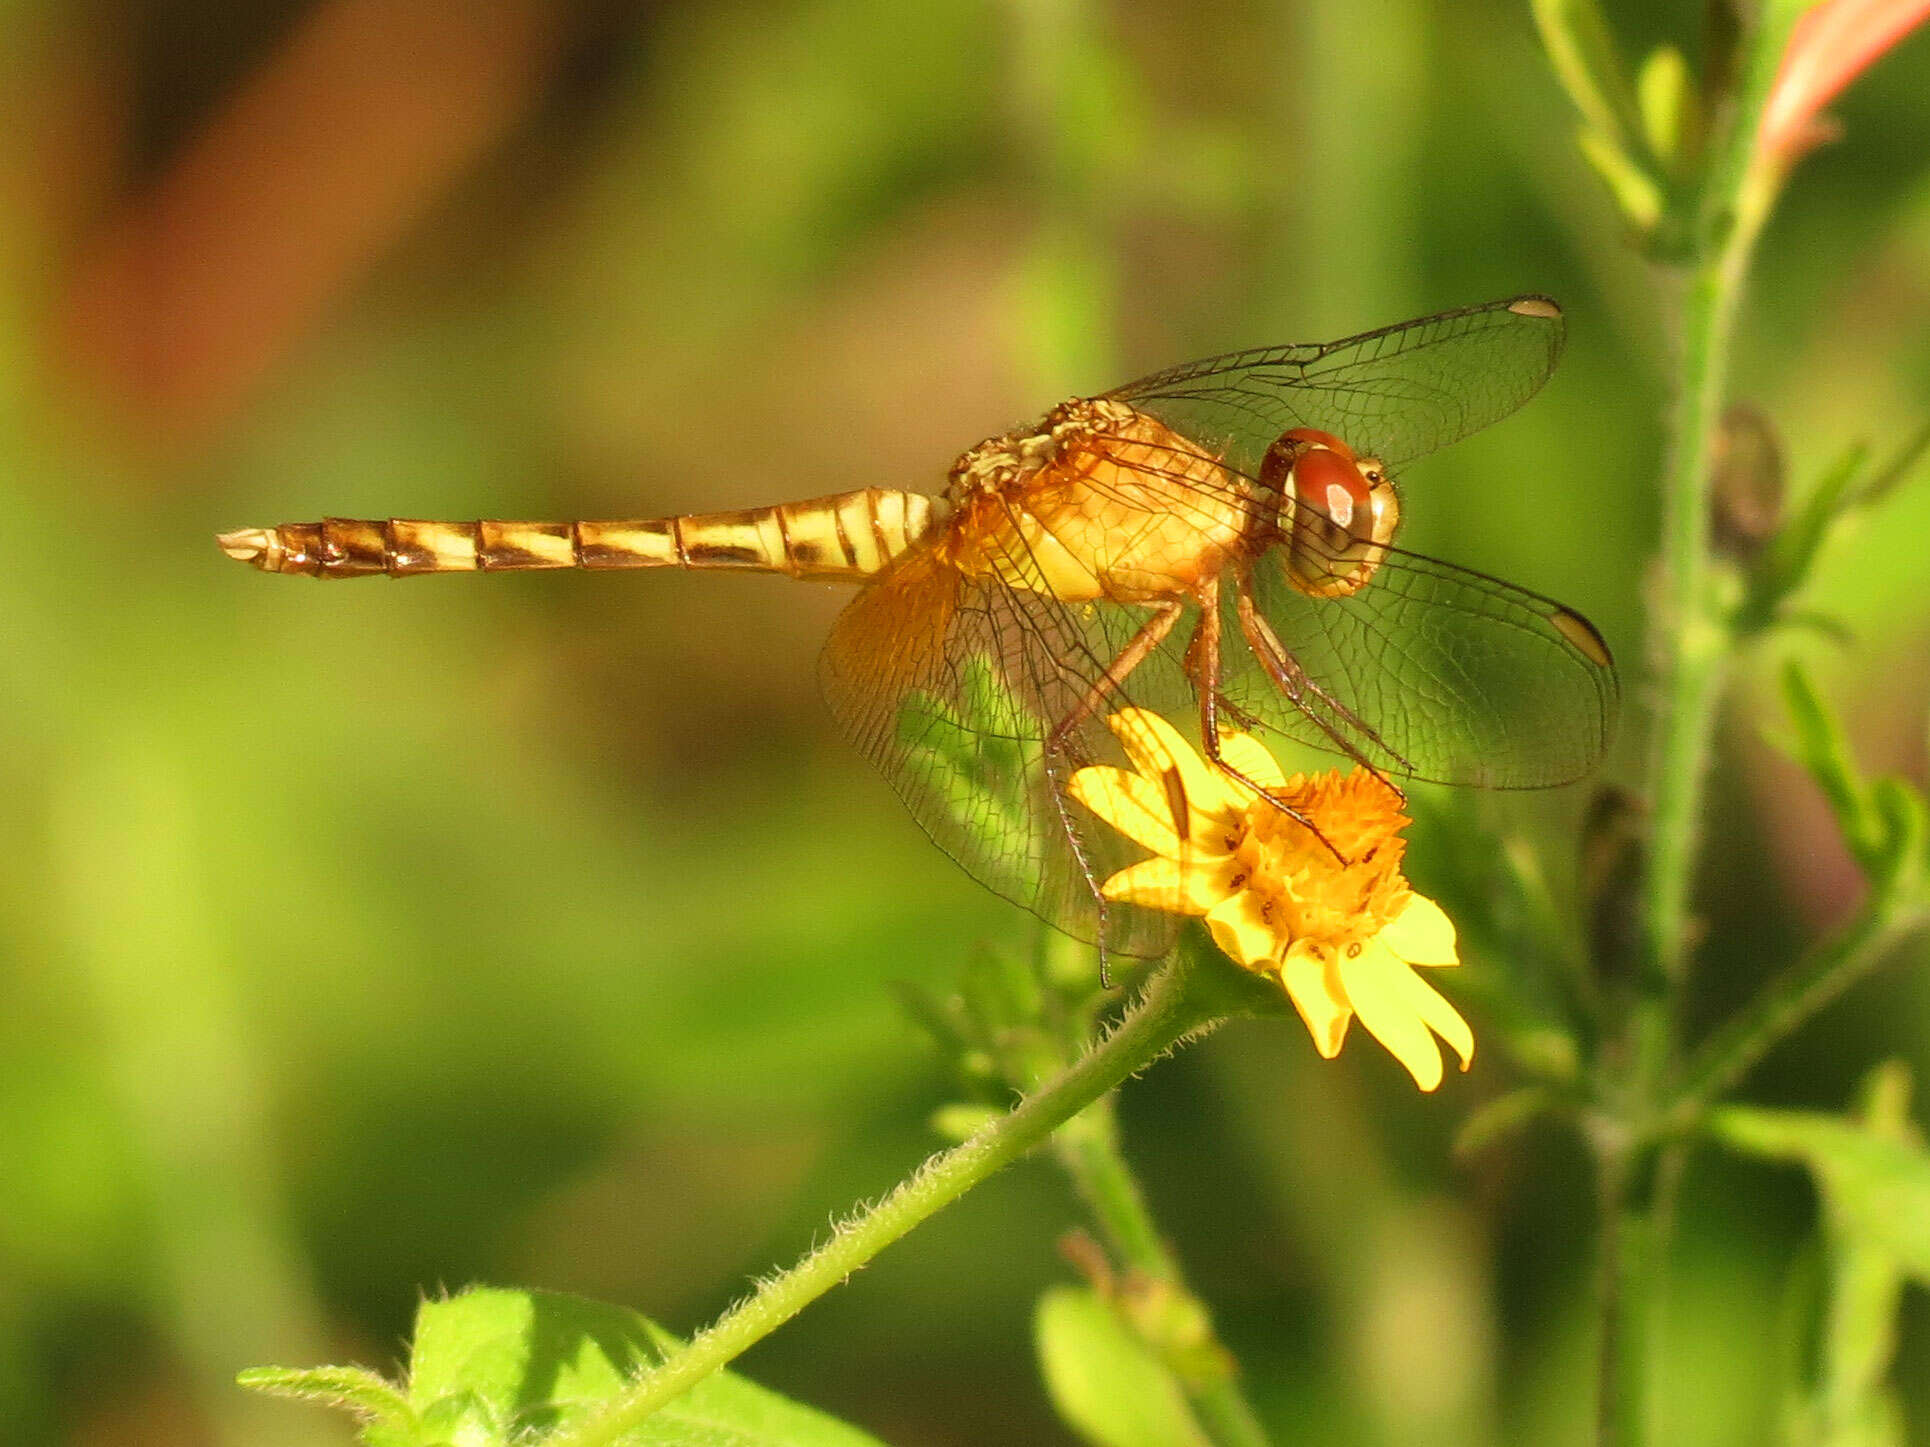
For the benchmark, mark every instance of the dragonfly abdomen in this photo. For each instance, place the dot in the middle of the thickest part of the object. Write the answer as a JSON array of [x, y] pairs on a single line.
[[848, 535]]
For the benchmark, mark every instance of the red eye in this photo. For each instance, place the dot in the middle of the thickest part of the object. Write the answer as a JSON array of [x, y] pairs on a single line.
[[1314, 437], [1332, 485]]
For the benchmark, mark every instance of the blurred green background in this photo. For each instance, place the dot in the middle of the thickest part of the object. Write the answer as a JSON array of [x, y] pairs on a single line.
[[357, 942]]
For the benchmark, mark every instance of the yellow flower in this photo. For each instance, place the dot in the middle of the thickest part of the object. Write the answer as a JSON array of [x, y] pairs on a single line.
[[1338, 927]]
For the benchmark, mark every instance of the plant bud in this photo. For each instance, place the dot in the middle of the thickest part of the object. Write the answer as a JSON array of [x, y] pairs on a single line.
[[1746, 485]]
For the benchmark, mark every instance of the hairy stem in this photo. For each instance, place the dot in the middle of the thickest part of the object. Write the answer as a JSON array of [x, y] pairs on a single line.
[[1165, 1014], [1692, 642]]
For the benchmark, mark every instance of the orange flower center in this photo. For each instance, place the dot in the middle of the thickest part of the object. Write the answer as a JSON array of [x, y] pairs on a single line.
[[1340, 892]]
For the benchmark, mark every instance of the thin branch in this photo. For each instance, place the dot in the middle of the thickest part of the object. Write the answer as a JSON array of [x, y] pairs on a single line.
[[1160, 1019]]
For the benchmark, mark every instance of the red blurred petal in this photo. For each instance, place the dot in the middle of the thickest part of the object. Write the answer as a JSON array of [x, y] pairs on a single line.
[[1830, 46], [300, 180]]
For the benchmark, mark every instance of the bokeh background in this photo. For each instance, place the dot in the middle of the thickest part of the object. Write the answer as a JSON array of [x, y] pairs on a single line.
[[360, 941]]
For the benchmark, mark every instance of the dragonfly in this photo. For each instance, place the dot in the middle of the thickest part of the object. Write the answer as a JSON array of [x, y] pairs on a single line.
[[1213, 542]]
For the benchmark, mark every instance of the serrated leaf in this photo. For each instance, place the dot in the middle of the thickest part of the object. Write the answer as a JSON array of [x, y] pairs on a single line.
[[494, 1367], [1105, 1382], [542, 1360], [1877, 1189]]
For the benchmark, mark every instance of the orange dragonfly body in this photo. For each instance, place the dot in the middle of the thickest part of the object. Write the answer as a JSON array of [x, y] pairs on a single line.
[[1248, 497]]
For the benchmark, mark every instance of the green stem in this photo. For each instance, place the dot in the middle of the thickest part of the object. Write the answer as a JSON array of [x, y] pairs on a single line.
[[1161, 1018], [1088, 1147], [1626, 1297], [1780, 1010], [1692, 638], [1693, 642]]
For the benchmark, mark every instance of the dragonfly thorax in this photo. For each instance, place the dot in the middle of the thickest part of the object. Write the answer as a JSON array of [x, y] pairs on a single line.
[[1010, 459], [1101, 500]]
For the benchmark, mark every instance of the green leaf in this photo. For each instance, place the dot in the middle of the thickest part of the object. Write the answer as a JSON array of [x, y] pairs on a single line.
[[1877, 1190], [1105, 1382], [1874, 1177], [1850, 1403], [1885, 823], [1821, 747], [1841, 495], [1897, 471], [1589, 66], [1786, 563], [494, 1367], [1905, 824]]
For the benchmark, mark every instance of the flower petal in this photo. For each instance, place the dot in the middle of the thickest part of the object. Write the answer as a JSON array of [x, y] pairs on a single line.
[[1246, 755], [1159, 751], [1377, 985], [1243, 931], [1828, 48], [1442, 1018], [1136, 807], [1421, 933], [1172, 886], [1309, 981]]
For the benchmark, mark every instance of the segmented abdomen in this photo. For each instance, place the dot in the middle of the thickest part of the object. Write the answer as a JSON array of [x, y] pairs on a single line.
[[846, 535]]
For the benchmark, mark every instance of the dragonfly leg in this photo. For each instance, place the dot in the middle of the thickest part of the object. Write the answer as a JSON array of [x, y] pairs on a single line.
[[1292, 680], [1247, 722], [1053, 761], [1150, 635], [1203, 659]]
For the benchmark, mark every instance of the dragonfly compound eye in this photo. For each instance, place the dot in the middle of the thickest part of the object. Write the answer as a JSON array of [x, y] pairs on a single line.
[[1337, 512]]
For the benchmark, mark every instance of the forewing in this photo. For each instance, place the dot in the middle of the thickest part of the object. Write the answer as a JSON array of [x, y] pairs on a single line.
[[951, 687], [1434, 672], [1397, 393]]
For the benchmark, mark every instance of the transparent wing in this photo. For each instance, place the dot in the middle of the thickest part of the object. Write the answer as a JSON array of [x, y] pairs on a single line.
[[952, 687], [1432, 672], [1397, 393]]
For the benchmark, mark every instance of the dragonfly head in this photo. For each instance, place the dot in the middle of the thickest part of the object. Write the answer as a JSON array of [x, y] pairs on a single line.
[[1337, 510]]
